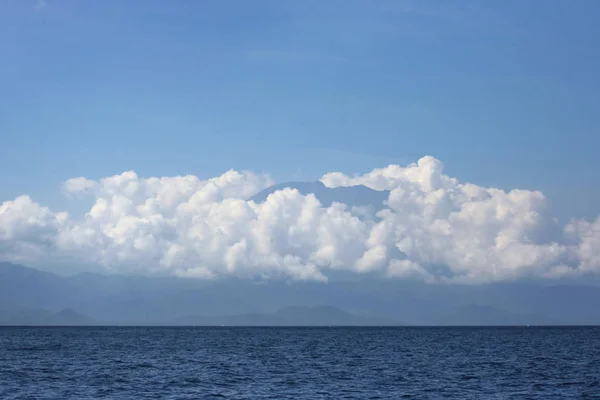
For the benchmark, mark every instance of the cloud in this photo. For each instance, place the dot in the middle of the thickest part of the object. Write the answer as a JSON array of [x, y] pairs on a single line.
[[27, 230], [79, 185], [433, 227]]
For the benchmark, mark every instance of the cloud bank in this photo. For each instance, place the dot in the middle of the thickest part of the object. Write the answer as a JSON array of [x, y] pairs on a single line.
[[433, 227]]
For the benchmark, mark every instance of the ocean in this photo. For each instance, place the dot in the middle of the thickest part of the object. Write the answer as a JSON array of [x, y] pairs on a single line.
[[299, 363]]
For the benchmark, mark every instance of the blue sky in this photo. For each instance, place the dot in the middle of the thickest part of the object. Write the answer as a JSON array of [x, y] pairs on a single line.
[[505, 93]]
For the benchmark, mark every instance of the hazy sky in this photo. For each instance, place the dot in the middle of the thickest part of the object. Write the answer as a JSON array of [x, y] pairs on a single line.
[[504, 93]]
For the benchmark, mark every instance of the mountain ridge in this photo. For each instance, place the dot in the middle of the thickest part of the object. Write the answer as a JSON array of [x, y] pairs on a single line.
[[155, 300], [19, 316], [290, 316], [352, 196]]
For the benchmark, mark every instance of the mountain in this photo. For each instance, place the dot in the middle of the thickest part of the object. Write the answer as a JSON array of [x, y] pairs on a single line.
[[327, 315], [291, 316], [353, 196], [33, 288], [230, 320], [17, 315], [30, 296]]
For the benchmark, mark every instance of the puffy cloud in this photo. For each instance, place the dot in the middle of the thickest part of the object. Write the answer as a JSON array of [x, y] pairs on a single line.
[[28, 230], [79, 185], [586, 238], [425, 174], [432, 227], [475, 233]]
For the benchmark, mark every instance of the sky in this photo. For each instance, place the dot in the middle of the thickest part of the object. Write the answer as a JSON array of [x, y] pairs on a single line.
[[502, 94]]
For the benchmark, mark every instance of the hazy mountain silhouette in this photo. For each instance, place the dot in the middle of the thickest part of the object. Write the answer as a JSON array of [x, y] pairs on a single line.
[[17, 315], [28, 295], [32, 288], [290, 316], [353, 196]]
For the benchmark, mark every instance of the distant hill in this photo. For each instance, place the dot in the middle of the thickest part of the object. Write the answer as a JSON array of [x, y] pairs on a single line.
[[353, 196], [30, 296], [40, 317], [290, 316], [32, 288]]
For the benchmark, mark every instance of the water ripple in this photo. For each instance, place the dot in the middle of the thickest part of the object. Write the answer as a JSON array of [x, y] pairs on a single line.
[[299, 363]]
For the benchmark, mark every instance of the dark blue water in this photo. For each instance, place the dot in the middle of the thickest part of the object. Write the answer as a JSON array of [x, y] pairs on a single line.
[[299, 363]]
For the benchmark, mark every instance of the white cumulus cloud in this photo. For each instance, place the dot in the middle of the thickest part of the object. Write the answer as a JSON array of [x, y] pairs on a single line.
[[432, 227]]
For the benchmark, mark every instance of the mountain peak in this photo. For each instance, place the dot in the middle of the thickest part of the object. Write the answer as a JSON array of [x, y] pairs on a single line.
[[353, 196]]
